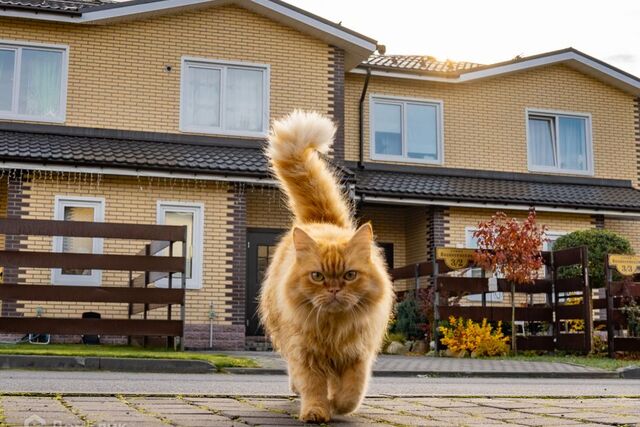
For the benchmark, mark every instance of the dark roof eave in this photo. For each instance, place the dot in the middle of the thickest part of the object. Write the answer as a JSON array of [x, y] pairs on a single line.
[[37, 11], [416, 196], [125, 166]]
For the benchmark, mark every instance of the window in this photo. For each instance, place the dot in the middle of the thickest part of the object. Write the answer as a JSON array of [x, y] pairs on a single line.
[[406, 130], [78, 209], [33, 82], [223, 98], [552, 236], [472, 243], [559, 142], [191, 215]]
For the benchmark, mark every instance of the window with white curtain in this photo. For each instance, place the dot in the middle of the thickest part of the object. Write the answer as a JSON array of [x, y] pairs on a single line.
[[85, 209], [406, 130], [559, 142], [191, 216], [32, 82], [224, 98]]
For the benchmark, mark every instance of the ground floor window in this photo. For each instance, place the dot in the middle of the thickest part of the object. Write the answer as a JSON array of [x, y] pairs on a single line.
[[78, 209], [191, 215], [472, 243]]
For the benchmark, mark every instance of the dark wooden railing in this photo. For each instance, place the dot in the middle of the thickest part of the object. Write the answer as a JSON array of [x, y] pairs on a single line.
[[137, 294], [618, 294], [552, 311]]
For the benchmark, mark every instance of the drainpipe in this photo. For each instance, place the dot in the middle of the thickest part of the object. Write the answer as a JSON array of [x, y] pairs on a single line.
[[361, 118]]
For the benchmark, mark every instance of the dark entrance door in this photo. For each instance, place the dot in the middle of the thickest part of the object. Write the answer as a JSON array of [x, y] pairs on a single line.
[[261, 245]]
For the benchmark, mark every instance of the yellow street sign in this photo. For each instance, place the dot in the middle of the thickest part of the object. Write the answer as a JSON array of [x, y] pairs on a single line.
[[627, 265], [455, 258]]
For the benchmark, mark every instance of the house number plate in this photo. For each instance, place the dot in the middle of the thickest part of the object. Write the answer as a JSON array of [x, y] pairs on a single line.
[[627, 265], [455, 258]]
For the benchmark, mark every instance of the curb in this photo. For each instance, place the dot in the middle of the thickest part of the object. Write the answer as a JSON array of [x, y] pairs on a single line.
[[630, 372], [456, 374], [70, 363]]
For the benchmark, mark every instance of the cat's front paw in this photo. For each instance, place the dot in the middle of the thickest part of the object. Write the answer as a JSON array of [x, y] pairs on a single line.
[[315, 414]]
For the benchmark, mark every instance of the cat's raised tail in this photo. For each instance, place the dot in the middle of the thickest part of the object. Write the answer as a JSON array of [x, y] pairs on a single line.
[[312, 188]]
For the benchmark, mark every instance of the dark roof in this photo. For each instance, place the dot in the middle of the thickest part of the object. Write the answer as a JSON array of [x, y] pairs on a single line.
[[61, 6], [541, 190], [131, 153], [418, 63]]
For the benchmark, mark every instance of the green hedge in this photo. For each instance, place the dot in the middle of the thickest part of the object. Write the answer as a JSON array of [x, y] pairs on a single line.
[[599, 243]]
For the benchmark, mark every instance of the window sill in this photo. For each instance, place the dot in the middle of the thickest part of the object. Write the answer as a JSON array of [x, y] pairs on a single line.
[[219, 132], [561, 171], [393, 159], [22, 118]]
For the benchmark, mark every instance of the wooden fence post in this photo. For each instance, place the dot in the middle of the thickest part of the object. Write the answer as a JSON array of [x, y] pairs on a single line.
[[436, 306], [610, 325], [587, 302]]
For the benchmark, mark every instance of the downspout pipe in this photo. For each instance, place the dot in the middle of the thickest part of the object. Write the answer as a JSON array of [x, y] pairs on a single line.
[[361, 118]]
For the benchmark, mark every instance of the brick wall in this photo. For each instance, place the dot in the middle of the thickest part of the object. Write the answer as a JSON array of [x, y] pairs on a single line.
[[485, 125], [629, 228], [336, 98], [117, 76]]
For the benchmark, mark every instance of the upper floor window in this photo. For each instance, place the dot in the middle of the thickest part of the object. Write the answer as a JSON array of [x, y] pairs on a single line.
[[32, 82], [560, 142], [406, 130], [224, 98]]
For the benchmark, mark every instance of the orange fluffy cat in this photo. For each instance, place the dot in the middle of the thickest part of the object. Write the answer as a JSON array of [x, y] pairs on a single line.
[[327, 297]]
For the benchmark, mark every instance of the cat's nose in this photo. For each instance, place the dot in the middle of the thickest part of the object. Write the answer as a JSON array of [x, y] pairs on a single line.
[[334, 291]]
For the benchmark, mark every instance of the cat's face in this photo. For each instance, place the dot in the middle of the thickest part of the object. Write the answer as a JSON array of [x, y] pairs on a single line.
[[334, 276]]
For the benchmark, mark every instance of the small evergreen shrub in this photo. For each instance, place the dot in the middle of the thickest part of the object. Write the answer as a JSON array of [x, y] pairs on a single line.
[[409, 319], [599, 243]]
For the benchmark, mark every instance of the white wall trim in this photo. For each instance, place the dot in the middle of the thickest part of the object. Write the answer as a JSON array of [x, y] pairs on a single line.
[[64, 77], [497, 206], [104, 15], [98, 204], [625, 82]]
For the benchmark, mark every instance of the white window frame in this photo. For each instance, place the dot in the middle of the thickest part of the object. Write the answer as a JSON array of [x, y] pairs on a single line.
[[556, 234], [555, 114], [195, 282], [403, 101], [98, 203], [223, 66], [491, 296], [18, 46]]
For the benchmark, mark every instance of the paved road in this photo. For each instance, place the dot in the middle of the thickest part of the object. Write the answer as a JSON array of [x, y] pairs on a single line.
[[123, 410], [277, 385]]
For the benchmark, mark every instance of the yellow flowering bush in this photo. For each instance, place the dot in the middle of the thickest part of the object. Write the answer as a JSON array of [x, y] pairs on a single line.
[[477, 339]]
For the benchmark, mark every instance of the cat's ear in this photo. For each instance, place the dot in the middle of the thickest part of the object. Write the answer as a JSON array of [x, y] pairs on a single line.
[[362, 239], [302, 241]]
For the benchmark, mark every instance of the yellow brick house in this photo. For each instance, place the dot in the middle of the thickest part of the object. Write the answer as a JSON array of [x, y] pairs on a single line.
[[157, 111]]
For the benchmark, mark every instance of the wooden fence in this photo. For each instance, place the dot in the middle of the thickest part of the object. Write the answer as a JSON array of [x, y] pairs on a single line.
[[618, 294], [550, 308], [138, 295]]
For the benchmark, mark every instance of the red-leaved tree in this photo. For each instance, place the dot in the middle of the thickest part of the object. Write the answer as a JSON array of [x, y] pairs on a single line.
[[511, 249]]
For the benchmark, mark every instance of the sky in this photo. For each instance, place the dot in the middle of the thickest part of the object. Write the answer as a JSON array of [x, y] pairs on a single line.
[[488, 31]]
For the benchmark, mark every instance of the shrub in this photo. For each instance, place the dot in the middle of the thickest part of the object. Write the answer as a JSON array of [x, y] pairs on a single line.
[[599, 243], [477, 339], [408, 319]]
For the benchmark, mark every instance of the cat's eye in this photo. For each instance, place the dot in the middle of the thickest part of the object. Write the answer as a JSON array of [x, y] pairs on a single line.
[[350, 275], [316, 276]]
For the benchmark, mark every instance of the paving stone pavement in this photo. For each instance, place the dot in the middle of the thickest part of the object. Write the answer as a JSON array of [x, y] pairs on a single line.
[[129, 411], [389, 363]]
